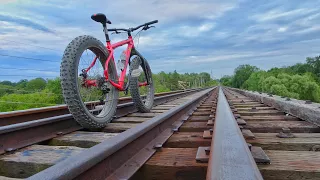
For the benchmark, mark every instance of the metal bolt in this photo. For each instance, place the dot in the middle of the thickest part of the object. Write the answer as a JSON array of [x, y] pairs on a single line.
[[286, 130], [157, 146], [211, 131], [175, 129], [308, 102], [10, 149], [207, 150], [288, 99]]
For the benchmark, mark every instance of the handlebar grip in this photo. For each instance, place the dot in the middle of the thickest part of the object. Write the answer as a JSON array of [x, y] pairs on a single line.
[[151, 22]]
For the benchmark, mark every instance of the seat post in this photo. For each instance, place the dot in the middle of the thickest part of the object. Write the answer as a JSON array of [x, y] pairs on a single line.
[[105, 30], [101, 18]]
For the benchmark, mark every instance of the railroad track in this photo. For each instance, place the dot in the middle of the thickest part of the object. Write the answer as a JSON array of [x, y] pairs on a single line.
[[21, 130], [216, 133], [15, 117]]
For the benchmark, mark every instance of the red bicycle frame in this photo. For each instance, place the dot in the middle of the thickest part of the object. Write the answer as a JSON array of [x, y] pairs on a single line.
[[110, 47]]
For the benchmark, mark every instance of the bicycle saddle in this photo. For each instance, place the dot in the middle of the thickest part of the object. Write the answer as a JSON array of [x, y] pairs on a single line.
[[99, 17]]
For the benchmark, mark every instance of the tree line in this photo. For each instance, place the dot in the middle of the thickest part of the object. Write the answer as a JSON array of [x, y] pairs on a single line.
[[39, 92], [300, 81]]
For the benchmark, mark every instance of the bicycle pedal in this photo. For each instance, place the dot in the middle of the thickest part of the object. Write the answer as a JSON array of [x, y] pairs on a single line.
[[136, 72]]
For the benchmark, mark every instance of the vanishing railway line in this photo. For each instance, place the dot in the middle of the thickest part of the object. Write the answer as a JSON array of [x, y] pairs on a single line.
[[216, 133]]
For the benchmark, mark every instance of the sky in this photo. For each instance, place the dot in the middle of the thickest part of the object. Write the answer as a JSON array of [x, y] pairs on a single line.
[[191, 36]]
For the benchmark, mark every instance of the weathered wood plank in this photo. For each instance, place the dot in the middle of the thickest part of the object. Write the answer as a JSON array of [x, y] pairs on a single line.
[[146, 115], [246, 103], [199, 118], [246, 100], [249, 105], [158, 110], [187, 140], [179, 163], [205, 106], [196, 113], [291, 165], [204, 110], [261, 113], [28, 161], [270, 118], [118, 127], [130, 120], [161, 108], [271, 127], [301, 142], [194, 127], [81, 139], [258, 108], [173, 163]]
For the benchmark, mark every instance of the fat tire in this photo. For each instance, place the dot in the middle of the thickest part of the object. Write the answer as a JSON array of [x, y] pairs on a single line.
[[69, 82], [134, 87]]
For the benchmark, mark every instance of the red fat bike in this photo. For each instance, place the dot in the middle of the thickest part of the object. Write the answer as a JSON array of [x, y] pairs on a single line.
[[89, 77]]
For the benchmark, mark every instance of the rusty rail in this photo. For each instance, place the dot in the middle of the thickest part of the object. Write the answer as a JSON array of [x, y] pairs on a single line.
[[20, 116], [20, 135], [121, 156], [230, 157]]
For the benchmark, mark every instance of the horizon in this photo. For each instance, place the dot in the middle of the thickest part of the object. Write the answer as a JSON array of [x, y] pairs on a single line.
[[191, 36]]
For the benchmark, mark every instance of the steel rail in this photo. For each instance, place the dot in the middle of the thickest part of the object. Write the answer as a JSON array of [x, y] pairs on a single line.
[[121, 156], [230, 157], [16, 136], [20, 116]]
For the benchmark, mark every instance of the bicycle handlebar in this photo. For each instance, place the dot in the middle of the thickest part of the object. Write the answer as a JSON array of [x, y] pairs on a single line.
[[133, 29]]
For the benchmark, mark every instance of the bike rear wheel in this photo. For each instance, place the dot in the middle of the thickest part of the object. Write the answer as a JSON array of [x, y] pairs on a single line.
[[91, 107], [142, 96]]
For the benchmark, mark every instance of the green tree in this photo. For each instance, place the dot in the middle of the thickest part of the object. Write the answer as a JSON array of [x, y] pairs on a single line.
[[242, 73], [36, 84], [226, 80]]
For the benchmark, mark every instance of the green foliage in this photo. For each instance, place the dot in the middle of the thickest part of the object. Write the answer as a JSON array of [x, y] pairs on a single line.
[[299, 81], [226, 80], [255, 81], [36, 84], [39, 92], [241, 74], [12, 102]]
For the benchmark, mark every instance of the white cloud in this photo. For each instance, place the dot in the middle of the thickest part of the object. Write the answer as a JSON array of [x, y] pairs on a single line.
[[169, 10], [206, 27], [282, 29], [278, 14]]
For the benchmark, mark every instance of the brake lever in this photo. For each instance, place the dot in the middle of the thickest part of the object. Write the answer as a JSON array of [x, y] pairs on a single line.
[[116, 32], [147, 27]]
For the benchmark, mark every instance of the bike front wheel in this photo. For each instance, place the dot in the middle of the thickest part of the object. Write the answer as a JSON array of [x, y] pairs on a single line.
[[142, 95], [91, 106]]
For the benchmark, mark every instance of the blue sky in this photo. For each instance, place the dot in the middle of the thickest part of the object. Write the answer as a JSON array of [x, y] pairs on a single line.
[[191, 36]]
